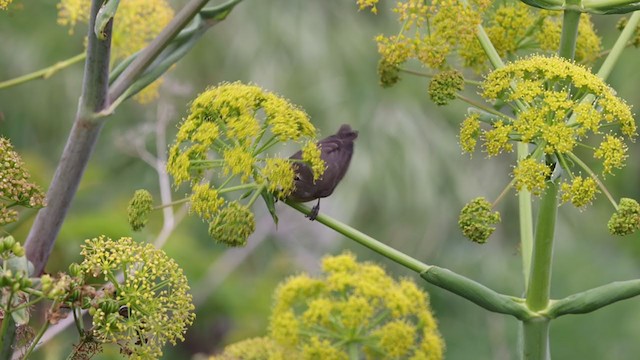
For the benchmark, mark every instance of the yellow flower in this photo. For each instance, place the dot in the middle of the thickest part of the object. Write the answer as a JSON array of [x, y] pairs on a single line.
[[280, 176], [614, 152], [311, 154], [497, 139], [287, 121], [580, 192], [469, 132], [238, 161], [256, 349], [532, 175], [363, 4], [205, 201]]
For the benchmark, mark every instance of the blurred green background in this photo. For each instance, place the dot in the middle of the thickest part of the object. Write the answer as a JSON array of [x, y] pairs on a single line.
[[406, 184]]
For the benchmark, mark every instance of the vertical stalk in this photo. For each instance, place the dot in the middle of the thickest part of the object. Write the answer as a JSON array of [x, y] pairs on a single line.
[[569, 34], [525, 214], [77, 151], [536, 339]]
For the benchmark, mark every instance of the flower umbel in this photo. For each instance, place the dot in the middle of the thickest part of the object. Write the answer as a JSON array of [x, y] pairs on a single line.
[[354, 306], [15, 187], [223, 146], [151, 307], [558, 106]]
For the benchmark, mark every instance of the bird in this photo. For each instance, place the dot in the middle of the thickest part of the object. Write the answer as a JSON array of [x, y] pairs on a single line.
[[336, 152]]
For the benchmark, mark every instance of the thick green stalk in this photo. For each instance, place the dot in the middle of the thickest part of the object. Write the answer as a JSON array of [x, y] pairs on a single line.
[[594, 299], [569, 34], [539, 283], [536, 339]]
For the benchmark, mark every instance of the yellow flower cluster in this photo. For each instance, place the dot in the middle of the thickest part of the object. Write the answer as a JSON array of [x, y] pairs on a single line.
[[239, 123], [4, 4], [354, 305], [354, 310], [432, 31], [15, 187], [558, 105], [580, 192], [151, 307]]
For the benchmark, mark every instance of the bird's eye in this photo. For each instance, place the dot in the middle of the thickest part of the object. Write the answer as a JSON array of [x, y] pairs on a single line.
[[297, 177]]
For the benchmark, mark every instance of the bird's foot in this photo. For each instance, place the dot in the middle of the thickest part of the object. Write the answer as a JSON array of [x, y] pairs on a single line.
[[314, 211]]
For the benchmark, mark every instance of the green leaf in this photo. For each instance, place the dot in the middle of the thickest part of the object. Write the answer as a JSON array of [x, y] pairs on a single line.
[[270, 201], [105, 14]]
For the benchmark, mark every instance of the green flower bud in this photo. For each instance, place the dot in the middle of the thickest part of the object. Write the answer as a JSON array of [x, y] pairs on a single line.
[[8, 242], [388, 73], [444, 86], [626, 220], [476, 219], [233, 225], [17, 250], [75, 270], [139, 208]]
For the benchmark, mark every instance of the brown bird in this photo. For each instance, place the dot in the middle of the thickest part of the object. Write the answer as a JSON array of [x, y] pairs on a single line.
[[336, 151]]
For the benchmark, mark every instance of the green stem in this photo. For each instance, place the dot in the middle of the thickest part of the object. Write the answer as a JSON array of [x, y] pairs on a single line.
[[621, 43], [525, 214], [269, 143], [353, 352], [366, 240], [569, 35], [256, 194], [536, 332], [539, 283], [155, 47], [482, 107], [536, 339], [241, 187], [593, 175], [43, 73], [430, 76], [37, 338], [177, 202], [594, 299], [488, 48], [443, 278], [7, 332]]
